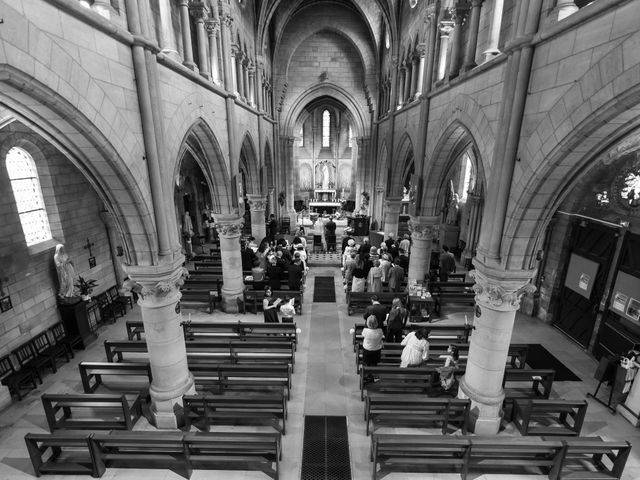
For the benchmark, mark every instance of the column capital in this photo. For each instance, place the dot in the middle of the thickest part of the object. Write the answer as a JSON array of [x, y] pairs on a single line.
[[228, 226], [458, 14], [500, 289], [393, 204], [227, 20], [257, 202], [430, 13], [424, 228], [213, 26], [198, 10], [157, 285], [445, 27]]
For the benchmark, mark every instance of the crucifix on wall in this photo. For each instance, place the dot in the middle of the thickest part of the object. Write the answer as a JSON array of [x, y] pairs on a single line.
[[92, 259]]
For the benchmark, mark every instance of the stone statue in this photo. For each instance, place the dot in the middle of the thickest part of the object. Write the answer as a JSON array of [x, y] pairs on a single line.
[[325, 177], [66, 272], [452, 211]]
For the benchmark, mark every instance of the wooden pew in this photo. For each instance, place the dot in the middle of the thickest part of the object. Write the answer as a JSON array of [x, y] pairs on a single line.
[[240, 451], [549, 417], [96, 370], [405, 380], [198, 296], [524, 384], [451, 333], [117, 411], [252, 376], [361, 300], [591, 458], [466, 455], [254, 409], [16, 380], [415, 411], [151, 449], [57, 454], [460, 293], [434, 453], [115, 349], [135, 329]]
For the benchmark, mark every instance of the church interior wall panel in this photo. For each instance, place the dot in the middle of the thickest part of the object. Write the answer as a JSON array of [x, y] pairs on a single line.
[[32, 279]]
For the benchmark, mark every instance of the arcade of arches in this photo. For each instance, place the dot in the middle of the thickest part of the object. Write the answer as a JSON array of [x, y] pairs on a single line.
[[506, 130]]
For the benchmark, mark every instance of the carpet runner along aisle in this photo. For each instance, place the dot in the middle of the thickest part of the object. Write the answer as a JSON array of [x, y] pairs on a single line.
[[324, 290], [325, 448], [539, 357]]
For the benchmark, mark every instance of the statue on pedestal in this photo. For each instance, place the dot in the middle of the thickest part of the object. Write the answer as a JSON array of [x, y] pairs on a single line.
[[66, 272], [325, 177]]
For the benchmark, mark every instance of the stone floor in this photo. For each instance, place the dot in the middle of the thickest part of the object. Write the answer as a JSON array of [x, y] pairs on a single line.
[[324, 383]]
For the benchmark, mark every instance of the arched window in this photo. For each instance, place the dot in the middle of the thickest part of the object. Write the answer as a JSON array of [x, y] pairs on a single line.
[[326, 129], [28, 196], [465, 177], [350, 137], [301, 142]]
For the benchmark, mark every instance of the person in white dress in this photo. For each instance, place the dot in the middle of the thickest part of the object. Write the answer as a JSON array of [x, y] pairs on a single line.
[[416, 349]]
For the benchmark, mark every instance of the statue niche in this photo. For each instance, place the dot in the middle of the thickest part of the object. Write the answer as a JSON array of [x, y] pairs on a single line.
[[325, 176]]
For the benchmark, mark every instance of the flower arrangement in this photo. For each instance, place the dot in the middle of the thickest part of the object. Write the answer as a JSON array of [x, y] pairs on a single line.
[[85, 287]]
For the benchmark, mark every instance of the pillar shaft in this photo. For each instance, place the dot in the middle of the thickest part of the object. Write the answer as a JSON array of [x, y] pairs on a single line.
[[472, 43], [186, 35], [212, 27], [258, 204], [401, 82], [498, 294], [229, 229], [445, 30], [114, 241], [494, 33], [392, 207], [458, 17], [199, 13], [423, 231], [245, 79], [239, 73], [407, 82], [228, 64], [167, 38], [159, 294], [421, 64], [566, 8]]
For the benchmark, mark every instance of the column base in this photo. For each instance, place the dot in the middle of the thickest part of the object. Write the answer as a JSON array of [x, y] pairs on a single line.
[[232, 302], [628, 414], [490, 54], [5, 397], [166, 407], [486, 412]]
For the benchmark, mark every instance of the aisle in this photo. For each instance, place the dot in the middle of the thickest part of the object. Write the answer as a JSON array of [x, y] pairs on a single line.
[[325, 390]]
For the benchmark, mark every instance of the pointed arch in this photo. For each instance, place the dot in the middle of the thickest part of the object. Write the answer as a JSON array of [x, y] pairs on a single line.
[[248, 163], [405, 156]]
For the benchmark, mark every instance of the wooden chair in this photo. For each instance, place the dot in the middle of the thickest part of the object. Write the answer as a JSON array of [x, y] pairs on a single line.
[[60, 336], [123, 300], [14, 379], [108, 311], [286, 225], [51, 352]]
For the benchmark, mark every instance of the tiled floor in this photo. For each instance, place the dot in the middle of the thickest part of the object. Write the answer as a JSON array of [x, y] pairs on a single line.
[[324, 383]]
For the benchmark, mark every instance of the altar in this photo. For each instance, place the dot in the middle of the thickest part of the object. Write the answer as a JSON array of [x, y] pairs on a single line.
[[324, 208], [325, 195]]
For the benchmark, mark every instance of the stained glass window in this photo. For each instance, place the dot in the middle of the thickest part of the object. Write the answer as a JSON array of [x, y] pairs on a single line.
[[326, 128], [301, 143], [350, 137], [28, 196]]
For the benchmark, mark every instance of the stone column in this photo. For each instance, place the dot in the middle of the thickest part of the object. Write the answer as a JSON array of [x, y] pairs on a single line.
[[408, 70], [229, 229], [226, 53], [103, 8], [290, 178], [167, 38], [239, 72], [159, 296], [458, 16], [422, 50], [258, 204], [245, 78], [213, 28], [474, 203], [415, 73], [498, 294], [566, 8], [392, 207], [401, 82], [472, 42], [494, 33], [271, 201], [445, 27], [234, 72], [199, 12], [423, 231], [186, 35], [114, 241], [252, 84]]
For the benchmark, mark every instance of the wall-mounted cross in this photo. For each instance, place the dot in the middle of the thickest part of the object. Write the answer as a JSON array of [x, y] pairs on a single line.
[[88, 247]]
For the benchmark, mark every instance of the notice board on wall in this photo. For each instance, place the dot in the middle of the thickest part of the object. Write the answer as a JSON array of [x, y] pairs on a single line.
[[625, 298], [581, 275]]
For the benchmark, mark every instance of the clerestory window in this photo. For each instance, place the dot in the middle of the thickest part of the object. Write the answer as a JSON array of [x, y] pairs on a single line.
[[326, 129], [28, 196]]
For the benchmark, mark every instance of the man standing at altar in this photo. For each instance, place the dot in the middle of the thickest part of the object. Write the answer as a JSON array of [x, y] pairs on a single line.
[[330, 234]]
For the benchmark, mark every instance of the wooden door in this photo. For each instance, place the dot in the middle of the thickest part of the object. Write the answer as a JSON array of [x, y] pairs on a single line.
[[576, 314]]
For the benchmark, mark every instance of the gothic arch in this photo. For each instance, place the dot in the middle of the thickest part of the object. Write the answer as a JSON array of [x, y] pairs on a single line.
[[328, 89], [204, 147], [565, 145], [467, 125], [68, 129], [405, 157], [248, 162]]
